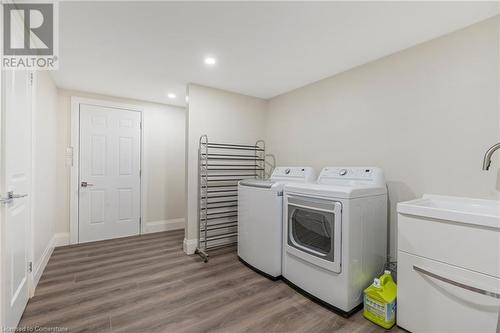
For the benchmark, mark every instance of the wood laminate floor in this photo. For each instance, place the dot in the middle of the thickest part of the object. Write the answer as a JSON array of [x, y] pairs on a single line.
[[147, 284]]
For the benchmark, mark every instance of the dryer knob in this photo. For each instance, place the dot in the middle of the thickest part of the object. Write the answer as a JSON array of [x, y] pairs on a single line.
[[287, 171], [343, 172]]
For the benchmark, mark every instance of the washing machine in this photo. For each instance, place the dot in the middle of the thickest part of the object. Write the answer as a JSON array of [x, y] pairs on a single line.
[[260, 211], [335, 235]]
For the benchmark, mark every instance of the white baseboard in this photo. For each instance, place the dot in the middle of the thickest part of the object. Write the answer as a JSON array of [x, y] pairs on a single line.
[[163, 225], [189, 245], [61, 239], [39, 267]]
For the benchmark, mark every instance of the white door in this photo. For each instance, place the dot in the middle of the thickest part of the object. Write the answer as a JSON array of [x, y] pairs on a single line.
[[15, 178], [110, 180]]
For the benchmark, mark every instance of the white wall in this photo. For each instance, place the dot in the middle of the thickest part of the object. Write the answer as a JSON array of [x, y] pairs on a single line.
[[164, 168], [225, 117], [425, 115], [44, 198], [164, 154]]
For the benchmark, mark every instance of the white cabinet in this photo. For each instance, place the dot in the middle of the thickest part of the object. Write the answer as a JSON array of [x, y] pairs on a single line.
[[448, 272], [429, 302]]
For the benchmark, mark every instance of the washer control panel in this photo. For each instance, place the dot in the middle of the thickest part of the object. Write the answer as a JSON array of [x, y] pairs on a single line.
[[347, 175], [300, 174]]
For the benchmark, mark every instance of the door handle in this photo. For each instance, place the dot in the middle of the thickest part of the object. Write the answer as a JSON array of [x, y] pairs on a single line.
[[11, 196], [85, 184]]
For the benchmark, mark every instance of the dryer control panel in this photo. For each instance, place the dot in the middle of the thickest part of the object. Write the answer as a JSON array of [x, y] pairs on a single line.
[[294, 174], [352, 175]]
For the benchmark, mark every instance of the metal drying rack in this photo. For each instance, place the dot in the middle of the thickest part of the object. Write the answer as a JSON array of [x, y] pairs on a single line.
[[221, 166]]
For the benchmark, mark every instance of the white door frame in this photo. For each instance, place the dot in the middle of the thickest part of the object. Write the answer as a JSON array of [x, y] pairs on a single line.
[[75, 164], [2, 231], [33, 280]]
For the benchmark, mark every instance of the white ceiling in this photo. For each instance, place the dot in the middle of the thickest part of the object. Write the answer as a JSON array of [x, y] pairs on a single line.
[[143, 50]]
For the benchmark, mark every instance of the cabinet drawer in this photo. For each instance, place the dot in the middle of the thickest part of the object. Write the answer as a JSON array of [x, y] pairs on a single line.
[[437, 297], [472, 247]]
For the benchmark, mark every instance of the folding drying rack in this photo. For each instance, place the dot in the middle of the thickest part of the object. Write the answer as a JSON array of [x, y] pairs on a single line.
[[221, 166]]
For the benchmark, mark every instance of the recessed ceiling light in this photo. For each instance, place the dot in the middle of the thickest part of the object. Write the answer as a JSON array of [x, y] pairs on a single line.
[[210, 60], [171, 95]]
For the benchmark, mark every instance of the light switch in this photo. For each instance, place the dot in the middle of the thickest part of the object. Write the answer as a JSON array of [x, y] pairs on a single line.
[[69, 156]]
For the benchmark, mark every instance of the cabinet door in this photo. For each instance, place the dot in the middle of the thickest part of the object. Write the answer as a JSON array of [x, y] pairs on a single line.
[[468, 246], [437, 297]]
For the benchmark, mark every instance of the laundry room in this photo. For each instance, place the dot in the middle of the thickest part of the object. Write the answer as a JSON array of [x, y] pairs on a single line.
[[250, 166]]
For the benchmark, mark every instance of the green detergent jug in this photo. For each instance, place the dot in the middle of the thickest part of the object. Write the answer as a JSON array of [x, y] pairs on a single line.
[[380, 301]]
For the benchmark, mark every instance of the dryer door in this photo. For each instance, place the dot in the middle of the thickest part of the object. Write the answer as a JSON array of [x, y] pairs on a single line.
[[315, 231]]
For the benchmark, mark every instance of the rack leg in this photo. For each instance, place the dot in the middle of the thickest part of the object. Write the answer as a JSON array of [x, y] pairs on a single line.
[[202, 254]]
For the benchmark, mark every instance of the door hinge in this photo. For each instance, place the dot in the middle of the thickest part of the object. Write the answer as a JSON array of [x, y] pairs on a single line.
[[140, 124], [30, 266], [31, 78], [140, 173]]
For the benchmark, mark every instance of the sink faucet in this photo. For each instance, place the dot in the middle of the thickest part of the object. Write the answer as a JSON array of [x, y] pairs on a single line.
[[487, 156]]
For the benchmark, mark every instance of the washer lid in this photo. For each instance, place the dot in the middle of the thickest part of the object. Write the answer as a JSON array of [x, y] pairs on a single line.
[[261, 183], [335, 191]]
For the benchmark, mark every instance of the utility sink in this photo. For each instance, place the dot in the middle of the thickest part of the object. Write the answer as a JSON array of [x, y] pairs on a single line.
[[466, 210], [449, 264]]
